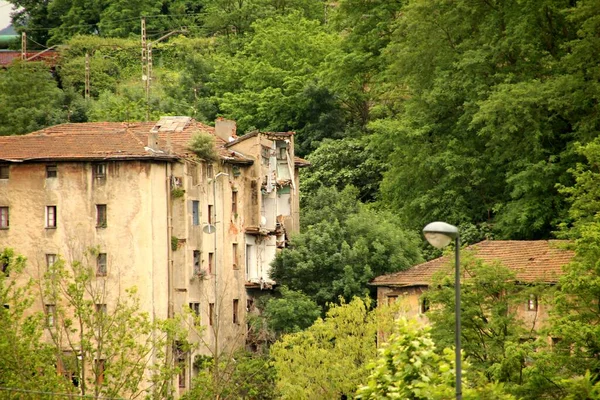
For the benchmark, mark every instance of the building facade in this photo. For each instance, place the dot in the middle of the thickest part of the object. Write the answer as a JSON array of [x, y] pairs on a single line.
[[532, 262], [189, 233]]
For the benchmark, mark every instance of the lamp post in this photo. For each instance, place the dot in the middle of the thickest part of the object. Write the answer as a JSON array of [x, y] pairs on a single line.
[[439, 235]]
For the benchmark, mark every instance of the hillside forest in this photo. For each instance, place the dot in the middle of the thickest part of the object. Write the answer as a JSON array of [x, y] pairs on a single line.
[[483, 114]]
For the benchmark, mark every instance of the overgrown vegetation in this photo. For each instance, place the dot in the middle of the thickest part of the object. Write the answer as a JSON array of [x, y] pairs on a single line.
[[203, 146]]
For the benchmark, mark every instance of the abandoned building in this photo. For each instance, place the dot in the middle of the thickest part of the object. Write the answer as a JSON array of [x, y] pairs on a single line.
[[538, 261], [186, 230]]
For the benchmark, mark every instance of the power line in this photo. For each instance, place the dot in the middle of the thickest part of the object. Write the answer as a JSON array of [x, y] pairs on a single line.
[[112, 21]]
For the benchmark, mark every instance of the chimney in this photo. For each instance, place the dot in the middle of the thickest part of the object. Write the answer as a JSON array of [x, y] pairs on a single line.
[[225, 129], [153, 139]]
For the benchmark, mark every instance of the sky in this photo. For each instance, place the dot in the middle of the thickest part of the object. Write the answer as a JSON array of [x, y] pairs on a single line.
[[5, 10]]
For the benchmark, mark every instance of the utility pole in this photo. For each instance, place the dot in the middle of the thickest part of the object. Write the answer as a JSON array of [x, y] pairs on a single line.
[[147, 61], [145, 69], [87, 76], [24, 46]]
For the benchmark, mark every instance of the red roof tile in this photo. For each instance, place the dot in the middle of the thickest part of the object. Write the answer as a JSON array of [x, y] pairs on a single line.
[[532, 261], [107, 140]]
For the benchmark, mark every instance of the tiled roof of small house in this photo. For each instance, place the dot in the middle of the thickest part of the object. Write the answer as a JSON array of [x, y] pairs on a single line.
[[531, 261], [111, 140]]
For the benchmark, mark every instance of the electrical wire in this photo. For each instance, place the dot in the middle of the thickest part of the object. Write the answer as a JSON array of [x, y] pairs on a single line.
[[112, 21]]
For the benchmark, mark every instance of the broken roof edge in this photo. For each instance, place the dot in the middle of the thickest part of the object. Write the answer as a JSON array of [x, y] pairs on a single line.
[[252, 134]]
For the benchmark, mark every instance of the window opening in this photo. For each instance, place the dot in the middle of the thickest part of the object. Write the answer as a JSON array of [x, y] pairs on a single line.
[[236, 304], [99, 171], [51, 171], [101, 267], [50, 315], [195, 212], [101, 216], [196, 262], [211, 313], [4, 223], [532, 303], [210, 262], [50, 216]]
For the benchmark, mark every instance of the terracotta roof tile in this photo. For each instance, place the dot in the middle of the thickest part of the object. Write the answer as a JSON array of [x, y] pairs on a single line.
[[532, 261], [106, 140]]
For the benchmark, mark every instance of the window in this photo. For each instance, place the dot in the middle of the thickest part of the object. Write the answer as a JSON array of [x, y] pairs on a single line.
[[180, 360], [193, 169], [195, 212], [248, 260], [211, 313], [196, 262], [424, 306], [101, 265], [4, 267], [195, 307], [236, 305], [50, 315], [50, 216], [391, 299], [211, 257], [51, 171], [209, 171], [532, 303], [101, 309], [210, 214], [282, 153], [4, 218], [234, 200], [100, 215], [99, 370], [50, 261], [234, 255], [99, 171], [4, 171]]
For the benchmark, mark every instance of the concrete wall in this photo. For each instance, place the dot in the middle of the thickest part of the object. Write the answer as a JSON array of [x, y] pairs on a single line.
[[410, 298]]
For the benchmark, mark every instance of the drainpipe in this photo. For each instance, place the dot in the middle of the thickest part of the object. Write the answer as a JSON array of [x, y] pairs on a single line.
[[170, 304]]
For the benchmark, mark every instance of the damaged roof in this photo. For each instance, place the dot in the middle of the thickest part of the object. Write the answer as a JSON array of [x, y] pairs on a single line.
[[112, 141], [530, 260]]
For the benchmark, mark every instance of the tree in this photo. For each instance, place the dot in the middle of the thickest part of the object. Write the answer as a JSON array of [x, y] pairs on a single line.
[[337, 254], [267, 83], [103, 342], [292, 312], [409, 367], [30, 99], [250, 376], [495, 340], [329, 359], [26, 362], [576, 315], [492, 104], [343, 162]]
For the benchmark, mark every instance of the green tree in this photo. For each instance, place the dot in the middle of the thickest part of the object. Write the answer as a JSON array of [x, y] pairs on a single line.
[[337, 254], [576, 315], [26, 362], [292, 312], [492, 104], [329, 359], [495, 340], [30, 99], [250, 376], [409, 367], [102, 339]]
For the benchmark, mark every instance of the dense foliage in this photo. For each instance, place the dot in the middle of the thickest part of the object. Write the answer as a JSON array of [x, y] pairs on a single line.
[[483, 114]]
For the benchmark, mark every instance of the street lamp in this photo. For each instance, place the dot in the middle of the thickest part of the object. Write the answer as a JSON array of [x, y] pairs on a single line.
[[439, 235]]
